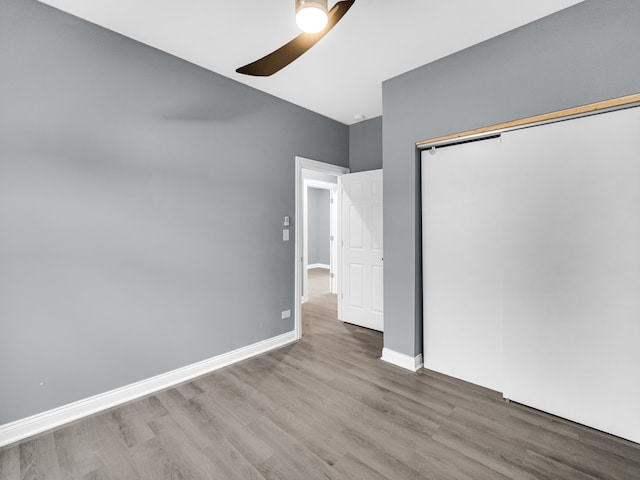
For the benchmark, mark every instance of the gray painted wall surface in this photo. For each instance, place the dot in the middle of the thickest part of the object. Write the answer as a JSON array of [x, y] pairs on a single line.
[[365, 145], [141, 209], [318, 226], [580, 55]]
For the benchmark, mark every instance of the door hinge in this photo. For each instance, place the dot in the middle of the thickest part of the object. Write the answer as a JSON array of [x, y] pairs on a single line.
[[331, 275], [331, 239], [331, 200]]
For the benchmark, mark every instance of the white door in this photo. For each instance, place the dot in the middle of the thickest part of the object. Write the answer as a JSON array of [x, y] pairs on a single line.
[[361, 295]]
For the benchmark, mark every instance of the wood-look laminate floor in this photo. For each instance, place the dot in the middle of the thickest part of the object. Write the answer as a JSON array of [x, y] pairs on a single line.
[[323, 408]]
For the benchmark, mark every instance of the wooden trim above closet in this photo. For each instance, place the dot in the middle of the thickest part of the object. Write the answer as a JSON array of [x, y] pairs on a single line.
[[568, 112]]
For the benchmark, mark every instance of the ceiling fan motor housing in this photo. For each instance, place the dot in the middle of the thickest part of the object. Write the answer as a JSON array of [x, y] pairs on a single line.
[[311, 15], [321, 4]]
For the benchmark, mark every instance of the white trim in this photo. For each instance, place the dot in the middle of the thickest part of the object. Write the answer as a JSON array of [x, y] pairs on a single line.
[[339, 266], [305, 240], [304, 164], [27, 427], [318, 265], [310, 182], [333, 256], [401, 360]]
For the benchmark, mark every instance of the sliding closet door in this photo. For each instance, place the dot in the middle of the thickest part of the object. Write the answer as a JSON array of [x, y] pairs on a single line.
[[572, 270], [462, 261]]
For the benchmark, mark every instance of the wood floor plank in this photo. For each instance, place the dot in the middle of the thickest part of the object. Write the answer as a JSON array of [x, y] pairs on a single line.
[[197, 425], [148, 408], [153, 458], [321, 442], [38, 459], [75, 450], [9, 464], [387, 464], [112, 452], [292, 458], [128, 426], [355, 469], [218, 418], [224, 391], [184, 451]]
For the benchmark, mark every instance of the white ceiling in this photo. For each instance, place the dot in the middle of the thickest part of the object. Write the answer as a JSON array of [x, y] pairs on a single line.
[[341, 76]]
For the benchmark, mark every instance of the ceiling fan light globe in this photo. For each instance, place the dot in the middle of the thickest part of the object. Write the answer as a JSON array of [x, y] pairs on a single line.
[[311, 15]]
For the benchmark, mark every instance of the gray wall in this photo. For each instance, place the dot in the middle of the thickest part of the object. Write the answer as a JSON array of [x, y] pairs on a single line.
[[318, 226], [583, 54], [365, 145], [141, 209]]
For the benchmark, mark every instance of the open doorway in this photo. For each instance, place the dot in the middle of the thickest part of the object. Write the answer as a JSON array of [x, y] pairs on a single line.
[[319, 270], [319, 230], [316, 286]]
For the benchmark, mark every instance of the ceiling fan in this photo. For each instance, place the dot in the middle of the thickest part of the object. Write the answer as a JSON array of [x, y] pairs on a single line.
[[315, 20]]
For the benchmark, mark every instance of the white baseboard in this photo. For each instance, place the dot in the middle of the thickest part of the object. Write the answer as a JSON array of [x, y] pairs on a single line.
[[318, 265], [401, 360], [27, 427]]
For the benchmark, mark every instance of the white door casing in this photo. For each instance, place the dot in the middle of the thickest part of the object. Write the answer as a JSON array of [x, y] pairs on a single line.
[[333, 200], [361, 283], [301, 165]]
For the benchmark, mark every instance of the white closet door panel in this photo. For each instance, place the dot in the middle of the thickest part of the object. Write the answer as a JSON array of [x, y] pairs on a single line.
[[462, 261], [572, 270]]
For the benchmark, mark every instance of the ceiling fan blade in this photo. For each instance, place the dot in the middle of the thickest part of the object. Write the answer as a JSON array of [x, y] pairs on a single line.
[[275, 61]]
